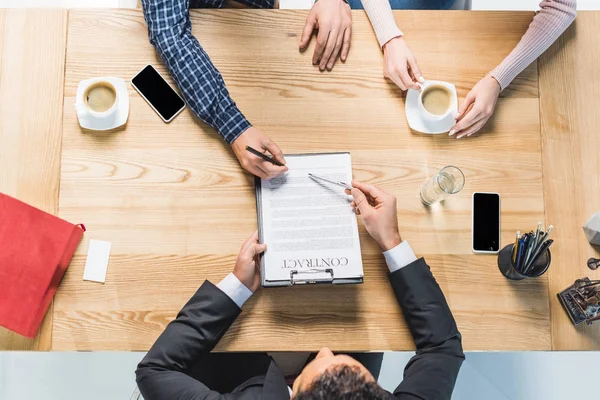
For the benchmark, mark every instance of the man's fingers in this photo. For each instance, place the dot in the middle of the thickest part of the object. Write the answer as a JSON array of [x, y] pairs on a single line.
[[257, 249], [274, 150], [469, 119], [360, 200], [271, 169], [322, 37], [328, 49], [475, 128], [336, 50], [346, 46], [256, 170], [251, 239], [309, 27], [373, 191]]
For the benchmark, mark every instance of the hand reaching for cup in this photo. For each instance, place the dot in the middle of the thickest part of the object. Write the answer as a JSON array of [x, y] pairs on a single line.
[[400, 65], [378, 210], [477, 108]]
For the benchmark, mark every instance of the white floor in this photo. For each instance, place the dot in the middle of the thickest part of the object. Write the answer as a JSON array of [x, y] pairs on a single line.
[[489, 376], [476, 4]]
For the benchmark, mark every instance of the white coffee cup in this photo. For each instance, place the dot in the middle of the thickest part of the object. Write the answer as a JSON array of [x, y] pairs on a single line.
[[426, 88], [102, 103]]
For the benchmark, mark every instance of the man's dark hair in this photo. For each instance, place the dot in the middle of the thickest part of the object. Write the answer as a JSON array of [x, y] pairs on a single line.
[[343, 383]]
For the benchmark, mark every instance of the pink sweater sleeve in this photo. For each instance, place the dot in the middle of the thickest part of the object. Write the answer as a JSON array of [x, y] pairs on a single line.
[[382, 20], [548, 24]]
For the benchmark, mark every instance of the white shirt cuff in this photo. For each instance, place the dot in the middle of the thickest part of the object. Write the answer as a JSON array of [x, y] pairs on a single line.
[[399, 257], [236, 290]]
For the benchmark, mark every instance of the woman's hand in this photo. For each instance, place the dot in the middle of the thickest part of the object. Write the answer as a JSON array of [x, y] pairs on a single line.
[[400, 65], [477, 108]]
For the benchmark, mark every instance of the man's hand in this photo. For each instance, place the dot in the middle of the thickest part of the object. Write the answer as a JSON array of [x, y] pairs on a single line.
[[477, 107], [400, 65], [378, 210], [333, 19], [247, 266], [256, 139]]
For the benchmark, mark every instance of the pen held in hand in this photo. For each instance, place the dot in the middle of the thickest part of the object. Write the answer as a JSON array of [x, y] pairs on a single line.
[[264, 156], [324, 178]]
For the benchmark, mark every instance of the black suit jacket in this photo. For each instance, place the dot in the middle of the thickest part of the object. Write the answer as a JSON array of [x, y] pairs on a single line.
[[167, 370]]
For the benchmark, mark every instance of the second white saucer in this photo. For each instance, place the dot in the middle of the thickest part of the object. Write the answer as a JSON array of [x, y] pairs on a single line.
[[419, 120]]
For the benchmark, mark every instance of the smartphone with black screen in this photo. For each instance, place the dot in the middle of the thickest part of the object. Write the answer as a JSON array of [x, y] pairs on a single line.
[[486, 223], [158, 93]]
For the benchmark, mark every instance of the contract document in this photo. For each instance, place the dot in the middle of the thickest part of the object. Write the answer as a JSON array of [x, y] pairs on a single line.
[[308, 225]]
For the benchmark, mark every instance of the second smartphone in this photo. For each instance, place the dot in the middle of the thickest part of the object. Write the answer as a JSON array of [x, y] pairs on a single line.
[[486, 223]]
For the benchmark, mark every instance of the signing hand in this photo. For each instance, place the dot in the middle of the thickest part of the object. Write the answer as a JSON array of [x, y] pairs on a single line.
[[256, 139], [400, 65], [333, 19], [247, 266], [378, 210], [477, 107]]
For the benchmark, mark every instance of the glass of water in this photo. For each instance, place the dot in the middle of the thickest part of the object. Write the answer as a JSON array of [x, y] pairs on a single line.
[[450, 180]]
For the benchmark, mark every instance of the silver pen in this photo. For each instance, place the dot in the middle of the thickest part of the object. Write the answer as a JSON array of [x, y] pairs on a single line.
[[323, 178]]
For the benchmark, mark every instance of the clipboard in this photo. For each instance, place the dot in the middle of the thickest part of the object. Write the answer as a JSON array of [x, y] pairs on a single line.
[[310, 276]]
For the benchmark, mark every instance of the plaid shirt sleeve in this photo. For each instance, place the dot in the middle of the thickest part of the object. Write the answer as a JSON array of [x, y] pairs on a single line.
[[203, 88]]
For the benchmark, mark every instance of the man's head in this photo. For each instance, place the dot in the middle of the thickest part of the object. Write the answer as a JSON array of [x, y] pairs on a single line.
[[332, 377]]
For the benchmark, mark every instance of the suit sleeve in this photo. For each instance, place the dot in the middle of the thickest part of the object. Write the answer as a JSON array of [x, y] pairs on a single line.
[[432, 372], [163, 373]]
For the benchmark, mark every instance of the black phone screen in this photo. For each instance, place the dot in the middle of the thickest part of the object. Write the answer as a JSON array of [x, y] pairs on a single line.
[[158, 93], [486, 222]]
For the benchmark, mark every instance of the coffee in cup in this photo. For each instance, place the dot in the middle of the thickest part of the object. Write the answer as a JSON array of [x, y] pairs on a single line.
[[436, 99], [100, 97]]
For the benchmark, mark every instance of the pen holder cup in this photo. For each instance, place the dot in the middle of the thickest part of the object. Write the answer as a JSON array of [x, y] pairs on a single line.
[[507, 267]]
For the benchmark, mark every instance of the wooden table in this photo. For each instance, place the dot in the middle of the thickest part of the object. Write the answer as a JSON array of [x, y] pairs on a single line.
[[176, 205], [569, 103], [32, 62]]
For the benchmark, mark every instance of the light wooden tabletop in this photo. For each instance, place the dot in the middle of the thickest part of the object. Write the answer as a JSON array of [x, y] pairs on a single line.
[[176, 206], [32, 62], [569, 104]]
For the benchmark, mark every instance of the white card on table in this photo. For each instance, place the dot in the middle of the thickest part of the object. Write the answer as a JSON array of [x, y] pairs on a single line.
[[97, 261]]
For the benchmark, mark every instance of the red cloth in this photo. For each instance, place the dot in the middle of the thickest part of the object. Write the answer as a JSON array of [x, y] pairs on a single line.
[[35, 251]]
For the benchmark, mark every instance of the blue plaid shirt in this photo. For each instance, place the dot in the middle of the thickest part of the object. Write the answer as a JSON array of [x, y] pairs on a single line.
[[170, 32]]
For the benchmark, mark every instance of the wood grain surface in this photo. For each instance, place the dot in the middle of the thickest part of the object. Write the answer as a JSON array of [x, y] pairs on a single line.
[[176, 206], [569, 103], [32, 57]]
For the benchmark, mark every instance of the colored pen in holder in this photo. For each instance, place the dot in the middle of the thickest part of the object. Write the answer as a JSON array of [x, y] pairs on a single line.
[[509, 270]]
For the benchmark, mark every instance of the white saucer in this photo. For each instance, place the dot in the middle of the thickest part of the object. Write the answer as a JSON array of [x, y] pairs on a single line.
[[108, 120], [421, 121]]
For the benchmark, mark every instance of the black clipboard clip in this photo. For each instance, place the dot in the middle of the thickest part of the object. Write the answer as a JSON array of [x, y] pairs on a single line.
[[296, 280]]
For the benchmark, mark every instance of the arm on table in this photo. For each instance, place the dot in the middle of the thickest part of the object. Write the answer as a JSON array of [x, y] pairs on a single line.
[[163, 373], [203, 88], [399, 63], [432, 372], [550, 22]]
